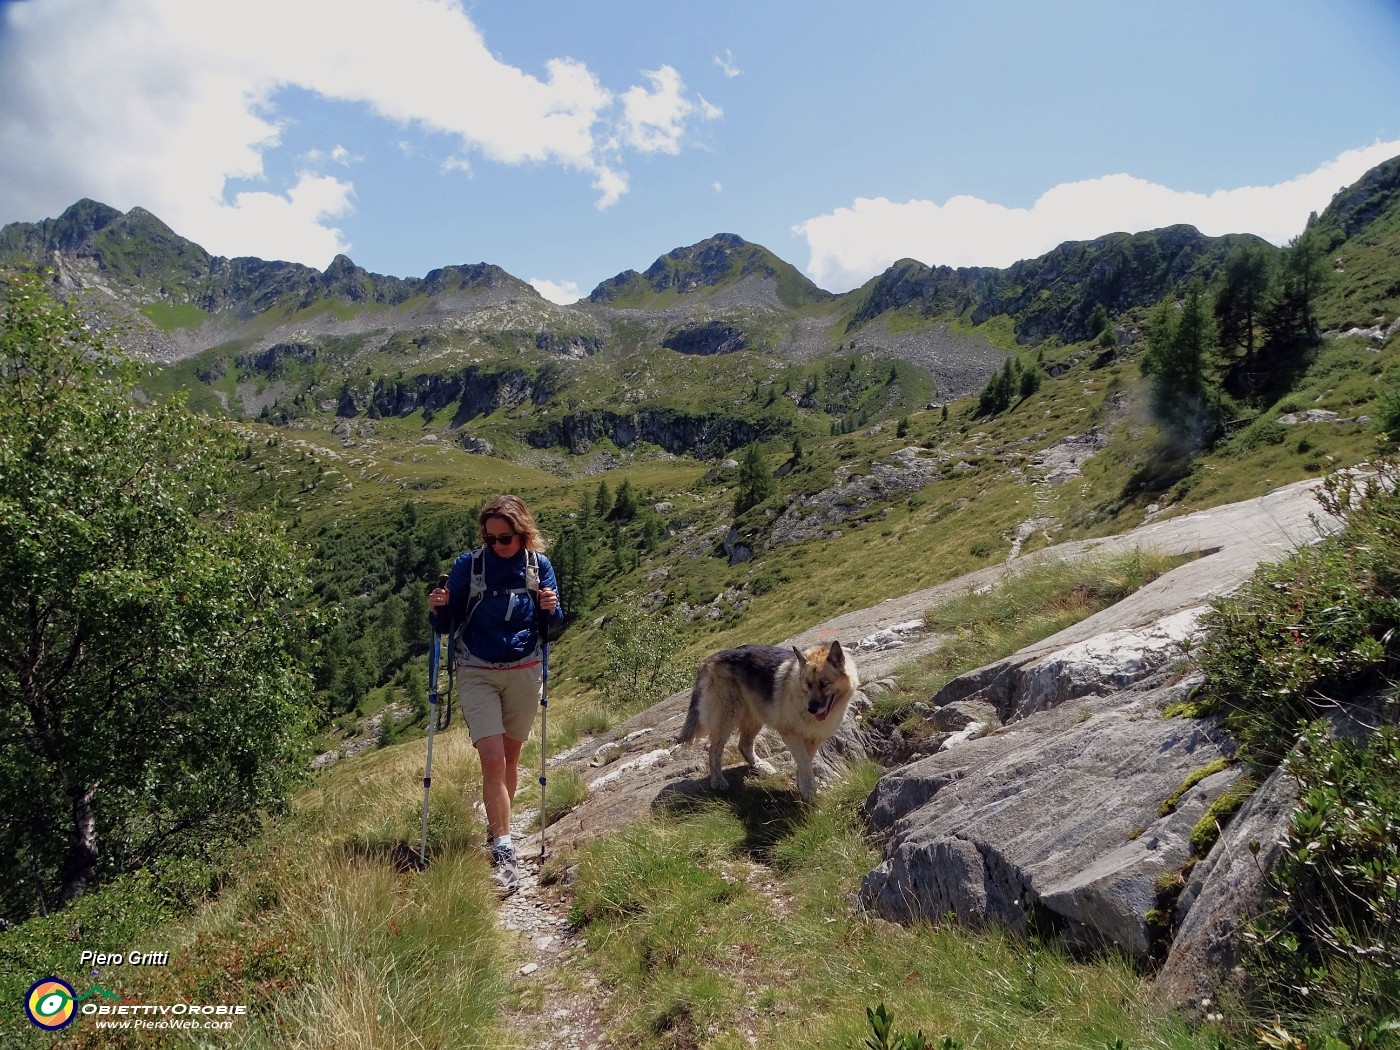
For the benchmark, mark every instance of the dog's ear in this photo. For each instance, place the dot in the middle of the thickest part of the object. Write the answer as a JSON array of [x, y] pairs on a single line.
[[801, 657], [836, 656]]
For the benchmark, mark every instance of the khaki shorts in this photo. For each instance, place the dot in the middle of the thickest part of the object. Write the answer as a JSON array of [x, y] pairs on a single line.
[[495, 702]]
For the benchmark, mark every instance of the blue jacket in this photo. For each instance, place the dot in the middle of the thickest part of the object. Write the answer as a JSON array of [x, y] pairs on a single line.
[[502, 627]]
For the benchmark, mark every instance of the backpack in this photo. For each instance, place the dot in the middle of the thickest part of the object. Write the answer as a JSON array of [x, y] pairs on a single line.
[[476, 591]]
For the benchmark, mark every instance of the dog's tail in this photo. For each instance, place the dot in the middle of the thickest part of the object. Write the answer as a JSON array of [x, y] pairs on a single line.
[[692, 717]]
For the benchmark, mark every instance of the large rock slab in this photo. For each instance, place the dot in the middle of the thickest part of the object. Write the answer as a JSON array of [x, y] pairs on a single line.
[[1051, 824]]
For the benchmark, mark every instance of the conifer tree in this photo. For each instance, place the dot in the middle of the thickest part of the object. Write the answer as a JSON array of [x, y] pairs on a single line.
[[1179, 343], [1239, 305], [625, 505], [756, 482]]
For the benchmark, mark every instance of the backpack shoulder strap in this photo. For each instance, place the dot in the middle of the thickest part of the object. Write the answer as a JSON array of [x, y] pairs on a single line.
[[477, 588], [532, 573]]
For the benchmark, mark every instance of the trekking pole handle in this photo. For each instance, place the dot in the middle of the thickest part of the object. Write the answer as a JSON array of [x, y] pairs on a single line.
[[441, 586]]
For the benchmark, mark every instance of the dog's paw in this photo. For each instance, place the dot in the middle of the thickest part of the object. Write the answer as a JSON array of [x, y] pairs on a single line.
[[718, 782]]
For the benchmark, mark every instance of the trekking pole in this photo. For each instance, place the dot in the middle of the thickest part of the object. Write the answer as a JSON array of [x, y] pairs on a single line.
[[434, 651], [544, 722], [543, 741]]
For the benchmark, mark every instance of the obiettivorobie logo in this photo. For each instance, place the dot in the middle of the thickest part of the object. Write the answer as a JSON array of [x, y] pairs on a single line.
[[52, 1003]]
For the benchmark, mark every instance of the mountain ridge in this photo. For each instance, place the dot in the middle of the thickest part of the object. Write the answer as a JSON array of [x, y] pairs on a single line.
[[139, 259], [359, 341]]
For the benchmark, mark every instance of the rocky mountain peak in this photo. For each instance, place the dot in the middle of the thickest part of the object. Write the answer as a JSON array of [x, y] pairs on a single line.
[[80, 222], [718, 261], [1373, 195], [341, 266]]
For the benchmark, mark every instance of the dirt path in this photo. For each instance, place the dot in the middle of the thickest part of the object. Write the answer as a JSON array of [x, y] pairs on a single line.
[[557, 1002]]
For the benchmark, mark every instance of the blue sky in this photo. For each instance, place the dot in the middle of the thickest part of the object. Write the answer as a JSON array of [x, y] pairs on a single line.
[[567, 142]]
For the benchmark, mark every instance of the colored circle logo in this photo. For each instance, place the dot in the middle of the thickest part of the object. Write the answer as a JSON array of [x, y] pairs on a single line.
[[50, 1003]]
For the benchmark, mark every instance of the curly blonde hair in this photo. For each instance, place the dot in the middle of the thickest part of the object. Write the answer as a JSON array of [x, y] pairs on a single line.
[[512, 509]]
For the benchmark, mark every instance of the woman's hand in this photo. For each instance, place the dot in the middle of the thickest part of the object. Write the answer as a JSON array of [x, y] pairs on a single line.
[[549, 600], [438, 597]]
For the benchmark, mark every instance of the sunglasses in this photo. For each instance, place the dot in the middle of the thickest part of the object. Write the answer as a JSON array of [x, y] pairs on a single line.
[[500, 541]]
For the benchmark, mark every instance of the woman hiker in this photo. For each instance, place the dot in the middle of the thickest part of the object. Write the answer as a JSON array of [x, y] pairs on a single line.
[[498, 654]]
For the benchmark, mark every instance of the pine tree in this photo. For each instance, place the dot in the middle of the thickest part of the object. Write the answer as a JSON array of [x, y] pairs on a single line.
[[1239, 305], [756, 482], [1179, 341], [1000, 389], [625, 505], [572, 561], [1030, 382]]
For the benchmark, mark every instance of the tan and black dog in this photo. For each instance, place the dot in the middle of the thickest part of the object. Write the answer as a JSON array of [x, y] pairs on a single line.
[[801, 696]]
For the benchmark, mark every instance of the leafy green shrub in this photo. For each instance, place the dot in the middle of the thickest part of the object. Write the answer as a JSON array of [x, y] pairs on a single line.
[[886, 1038], [1319, 626], [640, 651], [1387, 416], [1257, 434], [1329, 946], [1301, 636]]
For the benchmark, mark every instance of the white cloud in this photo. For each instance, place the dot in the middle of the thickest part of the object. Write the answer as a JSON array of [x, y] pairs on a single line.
[[611, 185], [726, 64], [289, 225], [562, 292], [718, 187], [655, 119], [161, 102], [850, 245]]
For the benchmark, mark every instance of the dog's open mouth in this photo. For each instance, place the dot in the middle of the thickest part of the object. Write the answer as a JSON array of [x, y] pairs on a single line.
[[820, 710]]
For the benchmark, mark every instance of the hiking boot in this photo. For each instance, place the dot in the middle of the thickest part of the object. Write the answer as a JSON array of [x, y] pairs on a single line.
[[505, 875]]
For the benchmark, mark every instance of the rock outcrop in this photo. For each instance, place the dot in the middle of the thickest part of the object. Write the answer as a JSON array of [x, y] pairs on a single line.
[[1061, 800], [676, 432], [1224, 892], [1051, 824], [1060, 822]]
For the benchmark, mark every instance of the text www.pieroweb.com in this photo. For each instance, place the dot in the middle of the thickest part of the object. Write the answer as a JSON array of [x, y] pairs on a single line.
[[180, 1017]]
